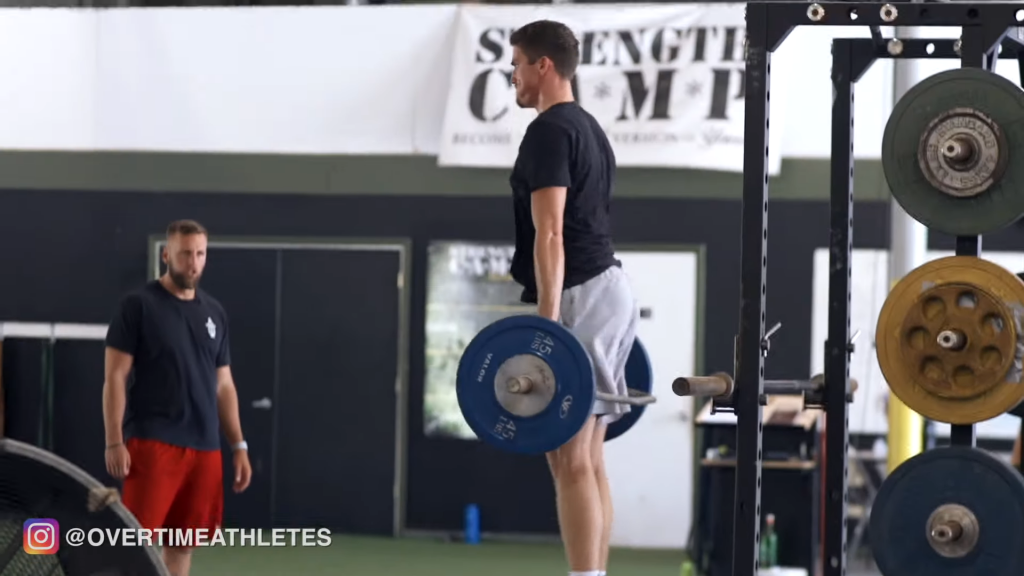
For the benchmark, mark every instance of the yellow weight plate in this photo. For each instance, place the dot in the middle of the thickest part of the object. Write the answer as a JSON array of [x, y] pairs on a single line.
[[950, 342]]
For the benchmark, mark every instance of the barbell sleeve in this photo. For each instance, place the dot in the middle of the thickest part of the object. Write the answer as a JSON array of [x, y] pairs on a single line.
[[519, 385], [948, 531], [714, 385], [524, 385]]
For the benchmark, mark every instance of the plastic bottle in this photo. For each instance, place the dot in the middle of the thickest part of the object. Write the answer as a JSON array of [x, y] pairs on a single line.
[[762, 549], [472, 524], [769, 549]]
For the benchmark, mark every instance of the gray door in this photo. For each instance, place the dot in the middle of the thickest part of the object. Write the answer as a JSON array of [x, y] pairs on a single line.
[[244, 281], [337, 394]]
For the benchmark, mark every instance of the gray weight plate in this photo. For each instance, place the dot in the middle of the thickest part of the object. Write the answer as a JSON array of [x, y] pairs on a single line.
[[953, 152]]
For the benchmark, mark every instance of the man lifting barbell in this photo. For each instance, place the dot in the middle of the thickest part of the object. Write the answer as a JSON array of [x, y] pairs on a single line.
[[564, 258]]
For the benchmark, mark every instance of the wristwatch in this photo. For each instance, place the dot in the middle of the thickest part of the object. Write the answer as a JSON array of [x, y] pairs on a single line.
[[243, 445]]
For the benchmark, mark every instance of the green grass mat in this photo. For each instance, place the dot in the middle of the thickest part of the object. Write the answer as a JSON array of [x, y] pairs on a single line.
[[352, 556]]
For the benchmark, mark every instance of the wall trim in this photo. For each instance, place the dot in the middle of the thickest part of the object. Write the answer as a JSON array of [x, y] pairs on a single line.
[[800, 179]]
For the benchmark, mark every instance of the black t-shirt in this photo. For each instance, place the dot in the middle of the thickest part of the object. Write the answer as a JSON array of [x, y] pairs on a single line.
[[565, 147], [177, 346]]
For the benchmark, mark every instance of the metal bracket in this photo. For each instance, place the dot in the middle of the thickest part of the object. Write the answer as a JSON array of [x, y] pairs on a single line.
[[766, 343]]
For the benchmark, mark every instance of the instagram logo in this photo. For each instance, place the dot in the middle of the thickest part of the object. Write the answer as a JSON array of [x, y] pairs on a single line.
[[42, 536]]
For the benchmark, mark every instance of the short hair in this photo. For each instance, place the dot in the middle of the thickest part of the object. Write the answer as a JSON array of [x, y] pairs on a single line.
[[185, 228], [552, 39]]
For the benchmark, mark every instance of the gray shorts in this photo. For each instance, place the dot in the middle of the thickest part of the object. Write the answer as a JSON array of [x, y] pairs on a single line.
[[603, 314]]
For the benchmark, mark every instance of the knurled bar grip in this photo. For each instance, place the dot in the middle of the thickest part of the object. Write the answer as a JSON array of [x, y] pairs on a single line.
[[639, 399], [524, 385]]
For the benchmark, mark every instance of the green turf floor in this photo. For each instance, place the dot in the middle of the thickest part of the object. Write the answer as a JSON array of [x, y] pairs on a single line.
[[352, 556]]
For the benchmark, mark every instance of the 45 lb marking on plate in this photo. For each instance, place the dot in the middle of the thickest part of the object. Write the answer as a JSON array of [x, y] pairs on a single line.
[[543, 344], [505, 428]]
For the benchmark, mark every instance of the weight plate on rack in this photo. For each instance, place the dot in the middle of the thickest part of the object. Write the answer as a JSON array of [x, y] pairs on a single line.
[[953, 511], [949, 340], [949, 152]]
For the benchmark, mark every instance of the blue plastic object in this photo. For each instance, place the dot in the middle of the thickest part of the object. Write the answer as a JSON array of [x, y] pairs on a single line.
[[569, 362], [472, 524], [639, 376]]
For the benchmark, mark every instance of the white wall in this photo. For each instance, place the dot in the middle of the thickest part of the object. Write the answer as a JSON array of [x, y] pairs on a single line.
[[313, 80], [870, 277], [650, 468], [802, 94], [49, 89]]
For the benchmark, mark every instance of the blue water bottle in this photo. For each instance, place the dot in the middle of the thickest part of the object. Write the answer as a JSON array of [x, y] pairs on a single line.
[[472, 524]]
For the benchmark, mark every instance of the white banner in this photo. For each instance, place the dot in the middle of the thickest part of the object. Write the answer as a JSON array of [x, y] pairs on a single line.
[[665, 81], [210, 81]]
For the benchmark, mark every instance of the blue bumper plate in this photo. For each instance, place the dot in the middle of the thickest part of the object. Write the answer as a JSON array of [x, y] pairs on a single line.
[[566, 360], [639, 376]]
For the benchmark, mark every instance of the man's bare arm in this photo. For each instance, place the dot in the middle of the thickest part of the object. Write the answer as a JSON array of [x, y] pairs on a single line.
[[548, 208], [227, 406], [115, 383]]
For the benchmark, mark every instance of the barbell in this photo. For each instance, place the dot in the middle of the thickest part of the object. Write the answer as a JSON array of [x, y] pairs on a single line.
[[525, 384], [720, 386]]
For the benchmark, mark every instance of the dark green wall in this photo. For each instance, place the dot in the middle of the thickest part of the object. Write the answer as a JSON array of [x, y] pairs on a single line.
[[406, 175]]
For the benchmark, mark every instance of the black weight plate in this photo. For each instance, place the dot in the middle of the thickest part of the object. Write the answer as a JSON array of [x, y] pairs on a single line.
[[996, 97], [989, 488]]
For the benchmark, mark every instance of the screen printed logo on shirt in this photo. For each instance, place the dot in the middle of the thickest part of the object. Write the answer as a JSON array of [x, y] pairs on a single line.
[[211, 328]]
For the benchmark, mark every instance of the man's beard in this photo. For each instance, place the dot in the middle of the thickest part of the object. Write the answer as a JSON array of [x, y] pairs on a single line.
[[182, 281]]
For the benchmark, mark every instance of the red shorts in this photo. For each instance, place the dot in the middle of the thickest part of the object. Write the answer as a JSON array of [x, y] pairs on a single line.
[[173, 487]]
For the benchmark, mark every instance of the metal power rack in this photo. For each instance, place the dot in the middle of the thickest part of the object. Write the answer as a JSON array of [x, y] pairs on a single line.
[[987, 28]]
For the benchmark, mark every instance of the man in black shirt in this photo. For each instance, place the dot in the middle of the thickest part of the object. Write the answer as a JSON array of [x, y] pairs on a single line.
[[163, 430], [562, 184]]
